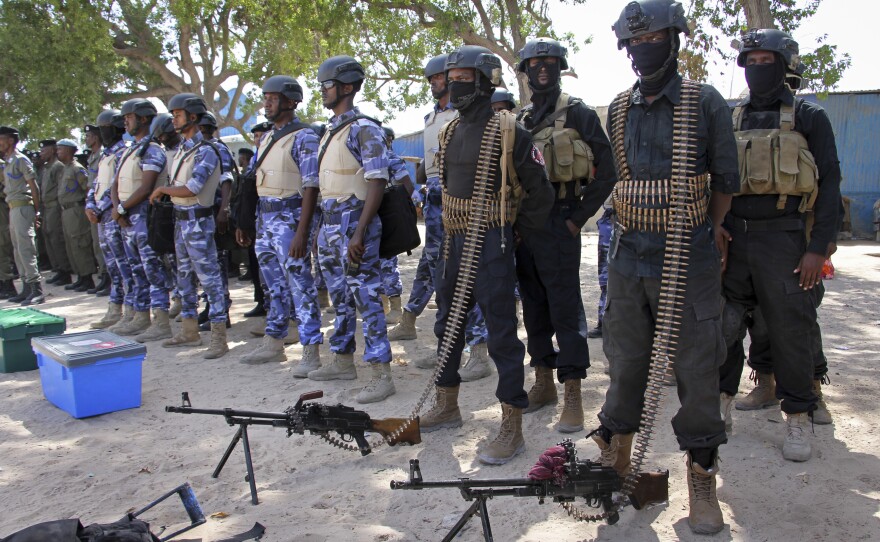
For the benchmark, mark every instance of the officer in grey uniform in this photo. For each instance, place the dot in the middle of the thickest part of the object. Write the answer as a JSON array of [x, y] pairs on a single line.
[[7, 284], [53, 231], [23, 198], [72, 189], [93, 142]]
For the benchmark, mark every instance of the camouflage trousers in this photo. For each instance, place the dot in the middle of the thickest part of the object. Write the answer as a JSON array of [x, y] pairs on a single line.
[[288, 280], [121, 280], [317, 273], [149, 275], [423, 285], [197, 263], [170, 263], [604, 224], [353, 289], [391, 285]]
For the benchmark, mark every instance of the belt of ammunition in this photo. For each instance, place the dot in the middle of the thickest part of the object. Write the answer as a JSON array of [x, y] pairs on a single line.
[[457, 213], [645, 205]]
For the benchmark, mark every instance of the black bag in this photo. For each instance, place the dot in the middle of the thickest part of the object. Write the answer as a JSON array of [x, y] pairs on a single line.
[[399, 230], [245, 206], [160, 226], [127, 529]]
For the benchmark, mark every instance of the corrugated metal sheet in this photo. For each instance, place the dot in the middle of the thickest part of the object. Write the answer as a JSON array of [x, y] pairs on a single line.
[[410, 145]]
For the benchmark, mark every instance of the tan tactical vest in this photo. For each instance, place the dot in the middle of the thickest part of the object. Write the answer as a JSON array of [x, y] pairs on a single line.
[[130, 174], [567, 157], [106, 168], [183, 164], [435, 122], [341, 175], [278, 175], [776, 161]]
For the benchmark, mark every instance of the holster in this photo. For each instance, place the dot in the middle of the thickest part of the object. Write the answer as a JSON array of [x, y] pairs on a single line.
[[652, 487]]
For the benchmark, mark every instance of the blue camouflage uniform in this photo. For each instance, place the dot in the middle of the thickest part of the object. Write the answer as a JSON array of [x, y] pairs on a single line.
[[289, 280], [110, 238], [194, 239], [605, 226], [356, 290], [149, 274], [391, 285]]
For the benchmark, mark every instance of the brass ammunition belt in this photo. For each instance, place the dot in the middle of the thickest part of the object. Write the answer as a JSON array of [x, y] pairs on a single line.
[[645, 205], [457, 213]]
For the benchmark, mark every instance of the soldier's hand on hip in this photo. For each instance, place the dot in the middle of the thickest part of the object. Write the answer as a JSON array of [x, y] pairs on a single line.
[[298, 245], [356, 247], [242, 238], [810, 269]]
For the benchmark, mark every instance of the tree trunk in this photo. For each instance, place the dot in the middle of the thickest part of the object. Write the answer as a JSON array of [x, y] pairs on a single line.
[[758, 13]]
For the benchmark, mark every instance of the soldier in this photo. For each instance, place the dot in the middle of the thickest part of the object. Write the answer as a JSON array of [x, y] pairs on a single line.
[[7, 284], [475, 175], [53, 231], [162, 130], [579, 166], [136, 173], [669, 136], [111, 126], [245, 238], [352, 175], [72, 189], [23, 198], [287, 186], [790, 167], [477, 365], [195, 176], [503, 100], [93, 143]]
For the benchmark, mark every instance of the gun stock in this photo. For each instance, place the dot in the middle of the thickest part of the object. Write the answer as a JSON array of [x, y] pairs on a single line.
[[411, 434]]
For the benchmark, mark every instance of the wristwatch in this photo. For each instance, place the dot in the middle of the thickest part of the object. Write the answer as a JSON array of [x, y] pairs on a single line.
[[121, 210]]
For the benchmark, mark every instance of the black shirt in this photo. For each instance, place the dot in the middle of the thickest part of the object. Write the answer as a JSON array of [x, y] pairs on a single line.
[[812, 122], [584, 119]]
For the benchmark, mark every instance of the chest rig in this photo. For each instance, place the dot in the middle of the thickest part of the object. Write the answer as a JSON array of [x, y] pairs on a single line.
[[183, 165], [776, 161]]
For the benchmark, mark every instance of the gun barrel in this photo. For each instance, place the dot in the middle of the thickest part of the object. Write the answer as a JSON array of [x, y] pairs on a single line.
[[228, 412], [467, 483]]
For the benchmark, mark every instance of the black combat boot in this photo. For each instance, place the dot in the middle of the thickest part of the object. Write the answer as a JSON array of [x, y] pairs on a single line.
[[87, 284], [206, 326], [54, 278], [103, 283], [24, 294], [36, 297], [75, 285], [7, 289], [259, 310], [64, 279]]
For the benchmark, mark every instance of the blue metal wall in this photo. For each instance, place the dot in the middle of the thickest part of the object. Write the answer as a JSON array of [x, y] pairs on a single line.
[[410, 145]]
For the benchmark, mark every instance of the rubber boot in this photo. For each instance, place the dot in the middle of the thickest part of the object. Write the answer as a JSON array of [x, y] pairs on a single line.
[[176, 307], [405, 330], [341, 368], [324, 299], [159, 329], [380, 387], [543, 392], [572, 418], [821, 416], [24, 294], [797, 445], [617, 453], [187, 336], [271, 350], [311, 360], [292, 332], [36, 296], [477, 365], [509, 443], [444, 413], [139, 323], [705, 512], [763, 396], [726, 404], [113, 315], [395, 310], [127, 315], [218, 347]]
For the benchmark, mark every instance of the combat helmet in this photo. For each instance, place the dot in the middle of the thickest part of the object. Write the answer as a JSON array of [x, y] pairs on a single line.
[[646, 16], [542, 47]]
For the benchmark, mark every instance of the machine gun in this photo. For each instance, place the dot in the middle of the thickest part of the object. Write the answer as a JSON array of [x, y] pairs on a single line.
[[565, 481], [319, 419]]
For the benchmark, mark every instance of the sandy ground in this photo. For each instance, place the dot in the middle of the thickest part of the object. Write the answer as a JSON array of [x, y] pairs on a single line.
[[53, 466]]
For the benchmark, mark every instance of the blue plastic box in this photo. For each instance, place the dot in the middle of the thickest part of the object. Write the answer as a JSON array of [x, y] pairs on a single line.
[[90, 373]]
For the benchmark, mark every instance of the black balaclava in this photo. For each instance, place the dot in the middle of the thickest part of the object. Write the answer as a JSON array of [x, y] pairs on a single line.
[[766, 82], [465, 96], [544, 96], [655, 64], [110, 135]]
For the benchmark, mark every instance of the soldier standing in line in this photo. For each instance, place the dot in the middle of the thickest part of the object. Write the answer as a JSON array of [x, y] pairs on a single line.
[[72, 189], [287, 186], [353, 171], [580, 168], [23, 198], [503, 100], [477, 365], [195, 176], [7, 284], [670, 135], [486, 161], [93, 143], [162, 129], [790, 166], [53, 231], [245, 231], [136, 174], [111, 126]]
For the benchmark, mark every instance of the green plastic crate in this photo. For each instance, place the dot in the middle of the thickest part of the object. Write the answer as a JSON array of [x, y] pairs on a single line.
[[17, 327]]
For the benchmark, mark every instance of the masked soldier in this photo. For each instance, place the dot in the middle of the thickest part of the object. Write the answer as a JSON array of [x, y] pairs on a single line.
[[72, 189], [789, 166], [353, 171], [503, 100], [669, 135], [486, 160], [195, 176], [136, 173], [93, 143], [23, 198], [423, 284], [52, 230], [576, 151], [287, 186], [111, 127]]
